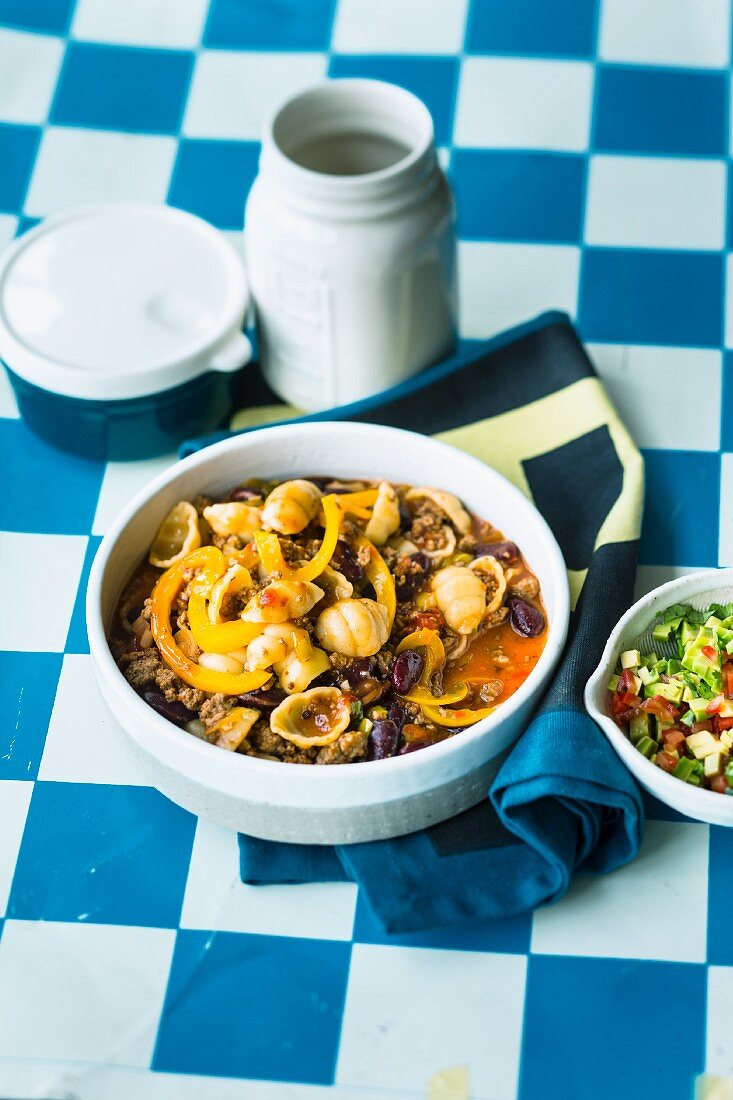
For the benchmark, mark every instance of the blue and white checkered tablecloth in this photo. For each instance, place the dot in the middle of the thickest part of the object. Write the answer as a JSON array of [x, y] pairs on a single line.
[[588, 144]]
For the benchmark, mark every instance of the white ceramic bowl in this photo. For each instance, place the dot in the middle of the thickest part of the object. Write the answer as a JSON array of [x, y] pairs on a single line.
[[699, 589], [349, 802]]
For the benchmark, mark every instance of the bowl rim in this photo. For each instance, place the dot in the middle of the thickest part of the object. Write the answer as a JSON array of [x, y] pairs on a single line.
[[657, 781], [411, 762]]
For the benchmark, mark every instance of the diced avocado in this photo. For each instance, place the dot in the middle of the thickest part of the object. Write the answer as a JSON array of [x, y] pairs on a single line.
[[698, 707], [703, 744], [639, 727], [726, 737], [694, 659], [671, 691], [649, 659], [647, 675], [646, 747], [688, 634], [613, 683], [714, 764], [663, 631], [713, 622], [688, 694], [688, 718], [684, 768], [673, 666], [631, 658]]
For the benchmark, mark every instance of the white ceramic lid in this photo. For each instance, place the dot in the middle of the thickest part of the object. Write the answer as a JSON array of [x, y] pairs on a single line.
[[121, 300]]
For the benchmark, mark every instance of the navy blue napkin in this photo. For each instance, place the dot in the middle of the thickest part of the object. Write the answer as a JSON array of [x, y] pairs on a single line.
[[562, 802]]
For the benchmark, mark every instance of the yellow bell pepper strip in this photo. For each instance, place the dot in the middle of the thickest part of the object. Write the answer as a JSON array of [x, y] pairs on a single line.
[[218, 637], [270, 552], [164, 593], [364, 498], [426, 698], [456, 719], [379, 577], [323, 555]]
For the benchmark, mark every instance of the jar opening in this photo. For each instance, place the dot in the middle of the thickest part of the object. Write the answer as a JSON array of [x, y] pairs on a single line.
[[352, 128]]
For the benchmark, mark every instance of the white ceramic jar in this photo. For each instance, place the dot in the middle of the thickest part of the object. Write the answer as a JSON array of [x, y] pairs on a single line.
[[350, 245]]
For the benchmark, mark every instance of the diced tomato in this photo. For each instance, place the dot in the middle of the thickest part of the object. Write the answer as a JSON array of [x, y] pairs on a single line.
[[666, 762], [661, 707], [701, 727], [625, 704], [625, 681], [673, 738], [720, 724], [719, 783], [728, 679], [713, 706], [709, 652]]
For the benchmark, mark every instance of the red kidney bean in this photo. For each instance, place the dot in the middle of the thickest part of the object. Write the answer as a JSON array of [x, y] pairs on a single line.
[[405, 517], [262, 700], [526, 620], [397, 715], [407, 584], [344, 559], [243, 494], [502, 551], [383, 739], [175, 712], [412, 746], [407, 670], [356, 670]]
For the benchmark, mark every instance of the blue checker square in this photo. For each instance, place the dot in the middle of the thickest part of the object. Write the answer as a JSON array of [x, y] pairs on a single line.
[[18, 145], [524, 196], [432, 79], [726, 426], [681, 486], [565, 28], [654, 110], [510, 935], [612, 1028], [28, 683], [77, 640], [34, 474], [45, 16], [213, 178], [241, 1005], [720, 895], [122, 88], [652, 297], [103, 854], [275, 25]]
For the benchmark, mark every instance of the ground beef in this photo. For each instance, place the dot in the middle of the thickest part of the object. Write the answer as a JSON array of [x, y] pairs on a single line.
[[491, 690], [264, 740], [526, 587], [494, 618], [468, 544], [215, 707], [141, 666], [350, 746]]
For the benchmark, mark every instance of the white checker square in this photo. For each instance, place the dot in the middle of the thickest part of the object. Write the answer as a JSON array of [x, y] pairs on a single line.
[[82, 746], [524, 104], [410, 27], [75, 166], [36, 616], [15, 797], [169, 23], [620, 915], [656, 202], [719, 1036], [217, 899], [649, 577], [29, 68], [411, 1012], [121, 482], [695, 33], [504, 284], [82, 992], [232, 93], [725, 536], [664, 379], [8, 228]]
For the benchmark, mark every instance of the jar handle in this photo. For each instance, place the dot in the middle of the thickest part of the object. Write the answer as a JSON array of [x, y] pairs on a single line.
[[233, 355]]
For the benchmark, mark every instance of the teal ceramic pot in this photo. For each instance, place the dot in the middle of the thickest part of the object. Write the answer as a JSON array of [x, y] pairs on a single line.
[[121, 329]]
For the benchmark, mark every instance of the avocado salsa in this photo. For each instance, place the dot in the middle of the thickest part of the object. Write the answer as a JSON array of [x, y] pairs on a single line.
[[678, 710]]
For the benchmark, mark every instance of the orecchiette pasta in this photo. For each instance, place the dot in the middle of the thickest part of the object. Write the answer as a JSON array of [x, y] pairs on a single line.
[[281, 600], [461, 596], [233, 518], [489, 565], [335, 585], [236, 579], [300, 667], [315, 717], [385, 518], [355, 628], [291, 506], [448, 504]]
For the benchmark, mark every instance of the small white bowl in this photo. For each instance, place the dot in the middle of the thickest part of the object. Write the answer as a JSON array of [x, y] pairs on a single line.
[[699, 589], [349, 802]]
